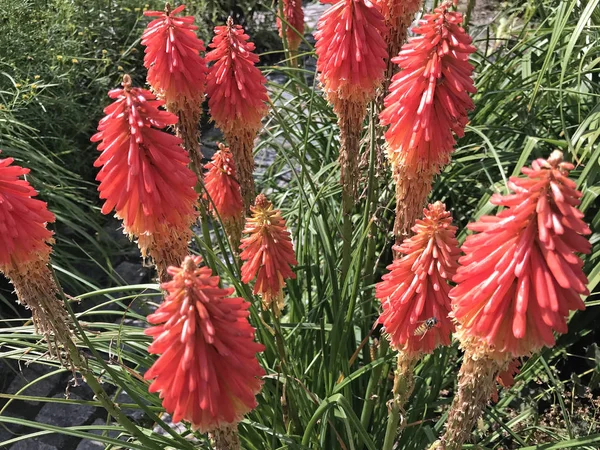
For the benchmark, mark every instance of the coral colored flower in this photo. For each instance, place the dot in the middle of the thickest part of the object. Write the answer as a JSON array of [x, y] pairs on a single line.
[[429, 97], [520, 276], [235, 86], [23, 233], [222, 186], [207, 373], [350, 49], [294, 16], [414, 294], [24, 256], [267, 252], [176, 71], [144, 175]]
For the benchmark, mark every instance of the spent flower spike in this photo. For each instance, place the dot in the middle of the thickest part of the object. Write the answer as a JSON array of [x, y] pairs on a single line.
[[207, 372], [429, 97], [414, 293], [268, 253], [520, 275]]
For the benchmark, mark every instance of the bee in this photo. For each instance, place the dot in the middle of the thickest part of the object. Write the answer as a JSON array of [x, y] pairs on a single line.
[[427, 325]]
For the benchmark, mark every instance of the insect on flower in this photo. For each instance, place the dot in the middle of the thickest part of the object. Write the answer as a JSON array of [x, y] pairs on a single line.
[[425, 326]]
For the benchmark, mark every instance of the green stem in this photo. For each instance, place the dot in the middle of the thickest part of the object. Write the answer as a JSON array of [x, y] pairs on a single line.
[[374, 380]]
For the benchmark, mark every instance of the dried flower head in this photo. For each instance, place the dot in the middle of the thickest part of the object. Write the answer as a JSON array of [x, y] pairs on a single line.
[[144, 175], [207, 372], [176, 71], [520, 276], [222, 186], [429, 97], [414, 294], [294, 16], [268, 253], [350, 49], [235, 86], [23, 233]]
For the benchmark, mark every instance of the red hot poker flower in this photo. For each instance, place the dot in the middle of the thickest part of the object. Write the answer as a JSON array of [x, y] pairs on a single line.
[[520, 276], [222, 186], [176, 71], [268, 253], [23, 233], [207, 373], [350, 49], [144, 175], [235, 86], [24, 256], [429, 97], [294, 16], [414, 294]]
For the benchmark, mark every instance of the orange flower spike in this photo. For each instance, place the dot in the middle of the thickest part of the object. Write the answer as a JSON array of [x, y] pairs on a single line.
[[268, 253], [414, 294], [237, 98], [176, 71], [294, 15], [235, 86], [351, 50], [222, 186], [520, 275], [429, 97], [145, 176], [23, 233], [25, 247], [207, 372]]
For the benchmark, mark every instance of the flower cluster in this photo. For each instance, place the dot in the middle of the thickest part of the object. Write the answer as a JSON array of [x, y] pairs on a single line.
[[235, 86], [351, 50], [176, 70], [414, 294], [207, 372], [294, 16], [144, 175], [222, 185], [23, 233], [520, 276], [429, 97], [267, 252]]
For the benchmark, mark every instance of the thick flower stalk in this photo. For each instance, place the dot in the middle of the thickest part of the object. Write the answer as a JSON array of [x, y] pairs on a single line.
[[518, 280], [25, 247], [144, 175], [223, 189], [426, 106], [414, 298], [294, 28], [177, 72], [267, 253], [237, 98], [207, 372], [351, 56]]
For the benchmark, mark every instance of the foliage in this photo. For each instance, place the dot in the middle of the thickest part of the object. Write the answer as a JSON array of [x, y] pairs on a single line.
[[328, 370]]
